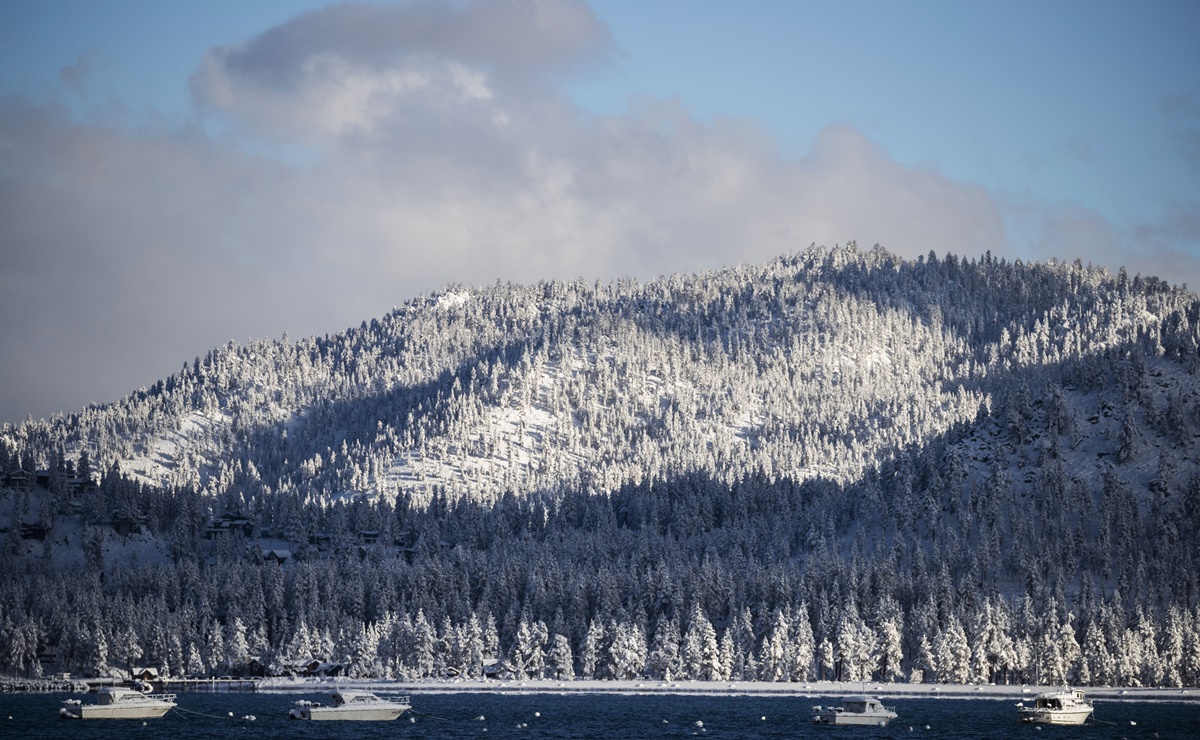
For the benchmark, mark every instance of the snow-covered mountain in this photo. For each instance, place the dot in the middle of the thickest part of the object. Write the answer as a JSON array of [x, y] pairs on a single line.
[[829, 448], [822, 364]]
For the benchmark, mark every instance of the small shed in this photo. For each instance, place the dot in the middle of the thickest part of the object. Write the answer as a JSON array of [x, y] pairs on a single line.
[[277, 555]]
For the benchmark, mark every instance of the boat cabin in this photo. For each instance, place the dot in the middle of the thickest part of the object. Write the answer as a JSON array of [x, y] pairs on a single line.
[[1055, 701], [861, 704], [354, 698]]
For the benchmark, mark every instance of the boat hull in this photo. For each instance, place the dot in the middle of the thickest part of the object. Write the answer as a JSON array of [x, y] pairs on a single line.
[[861, 720], [856, 710], [1056, 716], [91, 711], [381, 714]]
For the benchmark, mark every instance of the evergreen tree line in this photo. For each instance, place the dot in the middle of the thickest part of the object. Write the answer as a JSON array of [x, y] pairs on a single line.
[[639, 615], [764, 579]]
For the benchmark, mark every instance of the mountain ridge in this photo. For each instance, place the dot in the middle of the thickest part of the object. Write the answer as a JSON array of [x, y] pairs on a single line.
[[521, 363], [899, 460]]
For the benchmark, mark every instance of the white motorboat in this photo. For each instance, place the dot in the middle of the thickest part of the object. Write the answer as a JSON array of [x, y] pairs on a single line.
[[356, 705], [1066, 707], [118, 702], [855, 710]]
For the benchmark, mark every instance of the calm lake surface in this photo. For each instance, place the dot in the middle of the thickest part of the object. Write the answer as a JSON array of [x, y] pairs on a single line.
[[512, 715]]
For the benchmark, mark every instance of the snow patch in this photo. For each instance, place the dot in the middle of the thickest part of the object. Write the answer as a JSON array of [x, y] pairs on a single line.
[[157, 460], [452, 299]]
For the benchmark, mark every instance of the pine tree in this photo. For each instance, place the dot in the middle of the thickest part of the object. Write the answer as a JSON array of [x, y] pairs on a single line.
[[491, 639], [98, 658], [701, 653], [826, 658], [743, 666], [804, 649], [1191, 655], [993, 651], [215, 647], [663, 661], [891, 650], [952, 653], [237, 649], [590, 656], [855, 646], [364, 656], [560, 662], [777, 656], [472, 648], [195, 664], [1152, 666], [628, 651], [424, 657]]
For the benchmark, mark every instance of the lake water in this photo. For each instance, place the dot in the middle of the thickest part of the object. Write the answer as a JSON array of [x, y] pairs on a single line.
[[203, 716]]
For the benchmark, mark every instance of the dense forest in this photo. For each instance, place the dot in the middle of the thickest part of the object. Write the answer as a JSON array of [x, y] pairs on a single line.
[[837, 464]]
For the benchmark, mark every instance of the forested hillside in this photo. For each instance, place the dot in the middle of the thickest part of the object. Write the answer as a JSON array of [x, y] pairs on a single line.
[[837, 463]]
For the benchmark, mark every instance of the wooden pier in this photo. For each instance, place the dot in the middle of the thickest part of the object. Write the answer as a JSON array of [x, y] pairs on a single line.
[[206, 685], [187, 685]]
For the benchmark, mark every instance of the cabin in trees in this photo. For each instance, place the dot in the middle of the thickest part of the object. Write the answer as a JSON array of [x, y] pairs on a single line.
[[127, 525], [321, 668], [23, 480], [20, 480], [37, 531], [277, 555], [228, 523]]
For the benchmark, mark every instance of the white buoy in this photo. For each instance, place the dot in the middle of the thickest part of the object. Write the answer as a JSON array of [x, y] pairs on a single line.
[[1131, 722], [699, 723], [537, 714], [763, 718], [231, 714], [412, 720]]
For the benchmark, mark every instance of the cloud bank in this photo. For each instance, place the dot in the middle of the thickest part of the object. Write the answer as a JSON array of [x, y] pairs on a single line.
[[358, 155]]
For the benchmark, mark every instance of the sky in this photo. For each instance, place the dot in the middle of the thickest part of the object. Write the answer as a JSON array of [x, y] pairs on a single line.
[[175, 176]]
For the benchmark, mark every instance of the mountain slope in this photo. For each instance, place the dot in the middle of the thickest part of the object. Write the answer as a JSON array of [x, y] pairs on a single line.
[[819, 364], [837, 452]]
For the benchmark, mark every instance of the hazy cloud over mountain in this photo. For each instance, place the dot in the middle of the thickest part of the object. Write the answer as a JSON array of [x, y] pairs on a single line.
[[357, 155]]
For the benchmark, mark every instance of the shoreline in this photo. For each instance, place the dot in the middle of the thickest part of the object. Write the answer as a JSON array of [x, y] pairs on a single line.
[[811, 689], [806, 690]]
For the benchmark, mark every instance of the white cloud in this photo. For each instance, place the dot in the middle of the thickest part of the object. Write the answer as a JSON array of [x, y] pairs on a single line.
[[439, 150], [1067, 231]]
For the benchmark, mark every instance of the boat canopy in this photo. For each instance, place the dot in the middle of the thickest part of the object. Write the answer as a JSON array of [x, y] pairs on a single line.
[[860, 703]]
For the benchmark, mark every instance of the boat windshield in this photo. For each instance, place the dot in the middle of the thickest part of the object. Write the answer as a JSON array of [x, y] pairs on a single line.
[[355, 698]]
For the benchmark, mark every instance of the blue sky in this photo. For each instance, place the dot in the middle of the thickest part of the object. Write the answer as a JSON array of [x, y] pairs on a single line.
[[174, 175], [1064, 100]]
